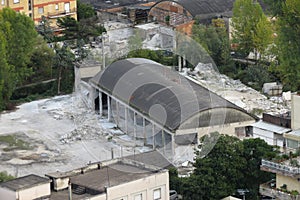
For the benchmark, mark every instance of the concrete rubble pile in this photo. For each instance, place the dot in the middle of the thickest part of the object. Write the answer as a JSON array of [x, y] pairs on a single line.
[[236, 92]]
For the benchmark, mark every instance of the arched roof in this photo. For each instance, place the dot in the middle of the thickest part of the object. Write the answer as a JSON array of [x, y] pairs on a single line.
[[158, 92], [203, 7], [207, 7]]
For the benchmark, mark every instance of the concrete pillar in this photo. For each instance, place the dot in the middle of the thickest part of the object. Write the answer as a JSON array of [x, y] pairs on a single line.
[[144, 131], [100, 104], [163, 142], [184, 60], [118, 113], [108, 108], [173, 145], [126, 119], [134, 125], [179, 64], [153, 133]]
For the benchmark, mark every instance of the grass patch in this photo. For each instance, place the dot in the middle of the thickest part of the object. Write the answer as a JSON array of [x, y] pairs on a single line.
[[13, 143]]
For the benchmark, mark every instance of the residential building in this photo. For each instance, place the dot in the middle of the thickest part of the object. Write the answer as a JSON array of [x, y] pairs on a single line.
[[51, 9], [270, 133], [137, 177], [287, 183], [293, 137], [112, 180], [295, 112], [25, 188]]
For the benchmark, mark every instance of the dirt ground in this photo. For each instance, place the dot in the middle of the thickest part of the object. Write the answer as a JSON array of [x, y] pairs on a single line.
[[56, 134]]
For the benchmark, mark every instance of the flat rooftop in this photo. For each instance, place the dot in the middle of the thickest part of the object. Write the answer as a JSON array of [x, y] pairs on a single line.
[[24, 182], [95, 181], [109, 176], [271, 127]]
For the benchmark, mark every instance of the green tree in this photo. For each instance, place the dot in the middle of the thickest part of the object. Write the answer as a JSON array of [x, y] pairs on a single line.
[[41, 62], [251, 29], [82, 30], [63, 65], [135, 42], [275, 7], [254, 150], [214, 39], [69, 27], [18, 38], [6, 75], [288, 43], [4, 176], [232, 164], [44, 29], [84, 10]]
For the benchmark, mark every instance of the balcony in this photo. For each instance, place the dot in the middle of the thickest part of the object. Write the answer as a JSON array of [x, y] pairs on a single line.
[[266, 190], [53, 15], [278, 168]]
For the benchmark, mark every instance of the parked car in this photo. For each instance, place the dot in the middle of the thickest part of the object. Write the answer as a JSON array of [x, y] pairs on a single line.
[[173, 195]]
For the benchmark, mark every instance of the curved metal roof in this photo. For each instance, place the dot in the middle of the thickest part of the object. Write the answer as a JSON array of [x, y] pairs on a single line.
[[203, 7], [207, 7], [158, 92]]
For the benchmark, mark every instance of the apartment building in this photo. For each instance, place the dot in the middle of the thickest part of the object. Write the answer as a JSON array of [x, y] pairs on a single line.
[[51, 9], [136, 177], [286, 186]]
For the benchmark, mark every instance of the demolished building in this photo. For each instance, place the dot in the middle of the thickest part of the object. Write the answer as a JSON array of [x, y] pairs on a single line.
[[168, 112]]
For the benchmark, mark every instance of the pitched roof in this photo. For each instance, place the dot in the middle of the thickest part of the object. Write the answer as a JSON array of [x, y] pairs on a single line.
[[158, 92], [24, 182]]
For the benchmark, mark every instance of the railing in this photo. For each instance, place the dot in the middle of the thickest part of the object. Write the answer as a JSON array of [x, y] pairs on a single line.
[[280, 167], [63, 12], [276, 194]]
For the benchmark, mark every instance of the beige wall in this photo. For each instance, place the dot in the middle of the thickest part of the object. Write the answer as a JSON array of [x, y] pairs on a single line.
[[228, 129], [295, 112], [19, 6], [60, 183], [26, 194], [144, 186], [49, 7], [7, 194], [85, 72], [35, 192], [292, 183]]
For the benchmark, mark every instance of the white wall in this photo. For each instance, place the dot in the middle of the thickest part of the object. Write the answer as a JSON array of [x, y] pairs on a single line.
[[295, 112], [35, 192], [6, 194], [265, 135], [60, 183], [144, 186]]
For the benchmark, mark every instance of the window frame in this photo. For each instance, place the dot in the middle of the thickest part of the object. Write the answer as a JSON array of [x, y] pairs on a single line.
[[41, 9], [155, 197]]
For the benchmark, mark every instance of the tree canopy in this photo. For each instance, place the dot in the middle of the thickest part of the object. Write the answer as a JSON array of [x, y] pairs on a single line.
[[18, 38], [4, 176], [81, 30], [252, 31], [84, 11], [214, 39], [288, 44], [232, 164]]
